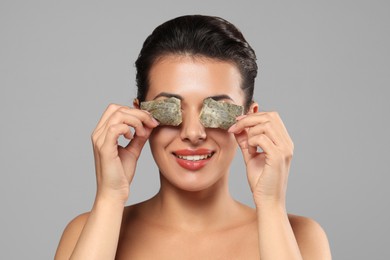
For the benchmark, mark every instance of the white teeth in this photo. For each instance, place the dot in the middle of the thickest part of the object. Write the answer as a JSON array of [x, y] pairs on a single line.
[[194, 157]]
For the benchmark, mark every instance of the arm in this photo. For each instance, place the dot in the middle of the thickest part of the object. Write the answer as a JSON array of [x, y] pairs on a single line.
[[267, 173], [276, 237], [311, 238], [281, 234], [95, 235], [92, 235]]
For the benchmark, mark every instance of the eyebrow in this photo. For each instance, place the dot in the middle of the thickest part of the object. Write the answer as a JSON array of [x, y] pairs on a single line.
[[220, 97], [168, 95]]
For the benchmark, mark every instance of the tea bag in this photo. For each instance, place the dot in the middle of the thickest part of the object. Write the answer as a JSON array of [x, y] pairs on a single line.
[[166, 111], [217, 114]]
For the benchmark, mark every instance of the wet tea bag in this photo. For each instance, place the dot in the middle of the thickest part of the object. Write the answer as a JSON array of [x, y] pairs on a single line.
[[217, 114], [166, 111]]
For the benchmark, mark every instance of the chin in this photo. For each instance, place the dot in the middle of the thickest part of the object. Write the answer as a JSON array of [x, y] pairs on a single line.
[[190, 181]]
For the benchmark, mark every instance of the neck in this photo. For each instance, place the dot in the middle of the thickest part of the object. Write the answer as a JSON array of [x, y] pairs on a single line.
[[194, 210]]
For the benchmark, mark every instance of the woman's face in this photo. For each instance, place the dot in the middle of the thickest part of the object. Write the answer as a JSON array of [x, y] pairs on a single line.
[[190, 156]]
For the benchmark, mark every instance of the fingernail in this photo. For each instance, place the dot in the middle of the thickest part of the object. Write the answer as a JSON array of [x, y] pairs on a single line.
[[241, 117], [232, 128], [155, 121]]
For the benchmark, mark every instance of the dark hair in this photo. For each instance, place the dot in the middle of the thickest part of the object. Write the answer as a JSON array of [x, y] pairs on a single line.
[[198, 35]]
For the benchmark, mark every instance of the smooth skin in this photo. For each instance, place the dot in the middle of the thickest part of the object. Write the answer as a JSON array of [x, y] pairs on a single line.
[[193, 215]]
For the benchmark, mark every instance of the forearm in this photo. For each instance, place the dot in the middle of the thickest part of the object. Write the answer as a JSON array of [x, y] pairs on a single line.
[[100, 235], [276, 237]]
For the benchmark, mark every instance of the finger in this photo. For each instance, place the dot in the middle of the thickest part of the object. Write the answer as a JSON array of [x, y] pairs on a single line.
[[114, 113], [110, 144], [138, 121], [129, 135], [252, 149], [106, 114], [249, 121], [135, 146], [143, 115], [130, 154], [280, 136], [97, 137], [267, 129], [281, 128], [242, 140], [264, 142]]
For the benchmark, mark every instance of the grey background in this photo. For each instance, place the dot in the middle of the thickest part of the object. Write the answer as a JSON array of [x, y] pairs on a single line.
[[324, 66]]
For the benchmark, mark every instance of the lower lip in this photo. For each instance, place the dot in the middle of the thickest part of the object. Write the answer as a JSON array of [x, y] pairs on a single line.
[[192, 165]]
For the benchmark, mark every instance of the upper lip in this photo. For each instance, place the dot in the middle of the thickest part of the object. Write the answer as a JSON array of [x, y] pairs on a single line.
[[198, 151]]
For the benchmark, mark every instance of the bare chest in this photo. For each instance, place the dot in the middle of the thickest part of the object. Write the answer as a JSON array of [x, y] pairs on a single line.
[[240, 243]]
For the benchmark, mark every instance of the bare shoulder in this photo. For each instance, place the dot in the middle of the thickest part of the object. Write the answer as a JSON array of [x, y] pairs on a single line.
[[70, 236], [311, 237]]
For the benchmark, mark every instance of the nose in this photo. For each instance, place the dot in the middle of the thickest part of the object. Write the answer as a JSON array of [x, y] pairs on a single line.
[[191, 128]]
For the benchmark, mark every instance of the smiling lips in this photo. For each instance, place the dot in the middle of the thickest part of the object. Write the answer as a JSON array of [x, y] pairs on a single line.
[[193, 159]]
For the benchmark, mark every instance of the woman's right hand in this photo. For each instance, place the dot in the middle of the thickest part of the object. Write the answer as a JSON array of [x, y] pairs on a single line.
[[115, 165]]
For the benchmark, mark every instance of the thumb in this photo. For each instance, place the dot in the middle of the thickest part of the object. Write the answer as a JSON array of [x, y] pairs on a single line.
[[135, 146], [133, 149], [242, 140]]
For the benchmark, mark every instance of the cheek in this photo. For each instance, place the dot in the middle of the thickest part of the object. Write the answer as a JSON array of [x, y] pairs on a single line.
[[231, 144], [226, 141], [162, 136], [228, 148]]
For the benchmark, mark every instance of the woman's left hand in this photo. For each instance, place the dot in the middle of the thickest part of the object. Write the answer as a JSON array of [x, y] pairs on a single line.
[[267, 171]]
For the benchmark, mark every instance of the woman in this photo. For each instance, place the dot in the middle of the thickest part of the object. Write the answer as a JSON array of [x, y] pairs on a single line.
[[193, 216]]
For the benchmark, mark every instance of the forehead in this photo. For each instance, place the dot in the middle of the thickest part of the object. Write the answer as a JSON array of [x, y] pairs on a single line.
[[195, 77]]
